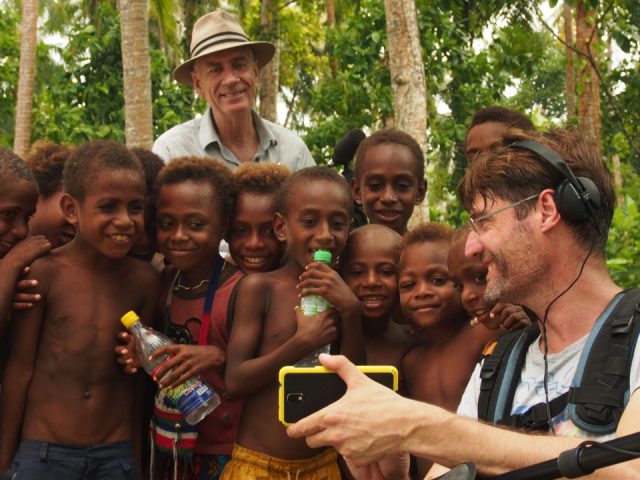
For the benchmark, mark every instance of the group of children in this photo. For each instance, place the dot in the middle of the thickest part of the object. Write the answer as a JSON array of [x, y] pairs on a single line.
[[71, 408]]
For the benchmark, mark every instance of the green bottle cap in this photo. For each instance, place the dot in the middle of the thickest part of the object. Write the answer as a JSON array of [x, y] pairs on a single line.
[[322, 256], [129, 318]]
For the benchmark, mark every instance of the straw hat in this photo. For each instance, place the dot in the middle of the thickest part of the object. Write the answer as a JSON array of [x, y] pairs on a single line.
[[215, 32]]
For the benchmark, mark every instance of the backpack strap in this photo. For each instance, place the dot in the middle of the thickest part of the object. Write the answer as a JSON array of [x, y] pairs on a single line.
[[500, 373], [536, 418], [600, 389]]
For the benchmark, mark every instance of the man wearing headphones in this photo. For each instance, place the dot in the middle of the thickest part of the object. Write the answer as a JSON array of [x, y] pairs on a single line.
[[540, 209]]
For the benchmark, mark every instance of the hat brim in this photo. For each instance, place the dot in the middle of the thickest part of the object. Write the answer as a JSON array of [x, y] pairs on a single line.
[[262, 51]]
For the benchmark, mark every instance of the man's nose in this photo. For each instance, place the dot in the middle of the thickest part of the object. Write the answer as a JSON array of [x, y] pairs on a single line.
[[473, 245]]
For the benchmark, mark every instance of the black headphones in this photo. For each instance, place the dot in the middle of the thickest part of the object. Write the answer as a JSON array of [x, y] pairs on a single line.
[[577, 198]]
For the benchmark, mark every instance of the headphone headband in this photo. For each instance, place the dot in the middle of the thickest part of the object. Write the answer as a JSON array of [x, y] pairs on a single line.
[[577, 198]]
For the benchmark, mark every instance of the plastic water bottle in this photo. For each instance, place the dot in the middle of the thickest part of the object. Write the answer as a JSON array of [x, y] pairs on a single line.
[[194, 398], [312, 305]]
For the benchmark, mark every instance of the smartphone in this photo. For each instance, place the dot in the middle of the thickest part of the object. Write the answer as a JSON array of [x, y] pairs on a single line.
[[304, 390]]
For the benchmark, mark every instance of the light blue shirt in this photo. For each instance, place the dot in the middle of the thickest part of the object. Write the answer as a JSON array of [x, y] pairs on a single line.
[[198, 137]]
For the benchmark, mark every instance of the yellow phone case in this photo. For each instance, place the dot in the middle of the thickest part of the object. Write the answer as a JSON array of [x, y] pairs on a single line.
[[304, 390]]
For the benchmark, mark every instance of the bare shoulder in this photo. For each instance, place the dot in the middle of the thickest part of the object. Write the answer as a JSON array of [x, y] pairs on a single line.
[[412, 356], [256, 284], [46, 268], [142, 272]]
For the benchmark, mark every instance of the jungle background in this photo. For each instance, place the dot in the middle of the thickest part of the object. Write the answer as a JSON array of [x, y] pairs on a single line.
[[68, 74]]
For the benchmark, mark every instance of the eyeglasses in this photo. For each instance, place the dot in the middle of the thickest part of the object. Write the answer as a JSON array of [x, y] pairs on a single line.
[[476, 223]]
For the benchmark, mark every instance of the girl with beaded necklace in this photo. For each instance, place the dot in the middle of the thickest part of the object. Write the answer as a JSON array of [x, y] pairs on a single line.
[[194, 199]]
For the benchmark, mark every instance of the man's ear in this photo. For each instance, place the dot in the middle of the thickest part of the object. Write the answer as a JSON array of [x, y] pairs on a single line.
[[195, 80], [422, 192], [69, 208], [356, 193], [549, 213], [280, 227]]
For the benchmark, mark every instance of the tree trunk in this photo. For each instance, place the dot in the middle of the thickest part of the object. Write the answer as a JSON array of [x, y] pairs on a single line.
[[331, 22], [408, 82], [136, 69], [26, 79], [617, 178], [570, 92], [269, 75], [589, 84]]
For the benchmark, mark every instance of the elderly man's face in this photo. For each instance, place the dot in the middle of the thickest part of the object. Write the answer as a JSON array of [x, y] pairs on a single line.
[[227, 80]]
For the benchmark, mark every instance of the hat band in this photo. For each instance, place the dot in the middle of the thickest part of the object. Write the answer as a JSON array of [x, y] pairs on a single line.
[[224, 37]]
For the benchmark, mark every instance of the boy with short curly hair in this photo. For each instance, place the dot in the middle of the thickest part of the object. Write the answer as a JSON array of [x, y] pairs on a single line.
[[252, 241], [46, 160], [66, 407]]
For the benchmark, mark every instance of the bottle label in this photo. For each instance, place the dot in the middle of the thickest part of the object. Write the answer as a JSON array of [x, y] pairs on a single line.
[[189, 395], [314, 304]]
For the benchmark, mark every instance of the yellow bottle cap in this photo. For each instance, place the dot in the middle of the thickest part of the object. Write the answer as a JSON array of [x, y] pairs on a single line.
[[129, 318]]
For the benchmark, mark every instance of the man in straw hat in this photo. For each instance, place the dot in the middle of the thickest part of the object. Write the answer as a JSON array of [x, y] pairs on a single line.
[[223, 69]]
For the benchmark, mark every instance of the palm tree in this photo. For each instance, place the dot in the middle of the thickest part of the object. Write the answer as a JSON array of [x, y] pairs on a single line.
[[136, 70], [26, 79]]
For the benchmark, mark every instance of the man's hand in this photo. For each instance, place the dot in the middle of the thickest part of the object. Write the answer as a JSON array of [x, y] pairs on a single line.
[[361, 426]]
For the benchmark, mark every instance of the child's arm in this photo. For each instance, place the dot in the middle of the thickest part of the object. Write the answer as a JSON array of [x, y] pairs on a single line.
[[21, 299], [25, 333], [12, 266], [186, 361], [320, 279], [147, 282], [501, 319], [504, 315], [246, 372]]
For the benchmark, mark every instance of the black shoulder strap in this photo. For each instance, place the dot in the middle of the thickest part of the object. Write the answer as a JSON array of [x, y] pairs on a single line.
[[600, 390], [498, 382], [600, 387]]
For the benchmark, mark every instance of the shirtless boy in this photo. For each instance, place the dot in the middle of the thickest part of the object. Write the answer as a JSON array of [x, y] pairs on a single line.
[[313, 212], [369, 266], [68, 402], [389, 178]]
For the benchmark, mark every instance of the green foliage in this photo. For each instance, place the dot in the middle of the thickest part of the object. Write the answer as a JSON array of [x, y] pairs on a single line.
[[624, 244], [9, 63], [87, 101]]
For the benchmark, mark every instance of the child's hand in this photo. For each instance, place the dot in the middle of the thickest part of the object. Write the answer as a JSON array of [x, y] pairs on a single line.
[[505, 316], [21, 299], [321, 279], [186, 361], [317, 330], [126, 354], [25, 252]]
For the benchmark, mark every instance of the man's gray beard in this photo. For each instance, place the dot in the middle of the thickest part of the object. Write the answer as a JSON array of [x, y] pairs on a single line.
[[492, 293]]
